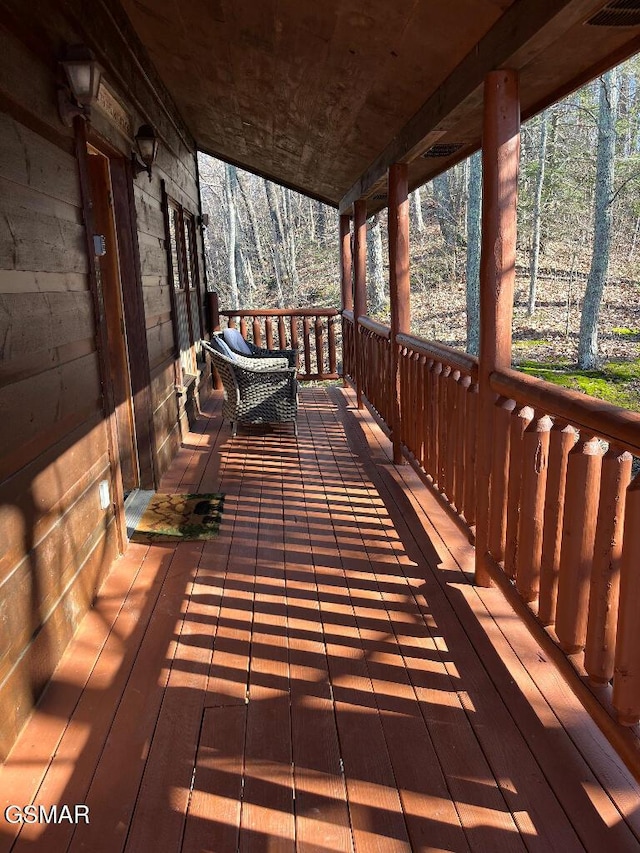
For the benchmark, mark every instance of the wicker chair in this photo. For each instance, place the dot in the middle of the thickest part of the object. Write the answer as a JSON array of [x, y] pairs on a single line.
[[239, 346], [255, 394]]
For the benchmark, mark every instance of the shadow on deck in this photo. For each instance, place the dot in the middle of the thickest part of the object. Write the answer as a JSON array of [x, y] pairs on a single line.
[[320, 677]]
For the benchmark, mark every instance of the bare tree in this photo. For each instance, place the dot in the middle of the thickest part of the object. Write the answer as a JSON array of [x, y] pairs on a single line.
[[474, 207], [232, 237], [416, 209], [255, 230], [608, 105], [537, 214], [375, 262]]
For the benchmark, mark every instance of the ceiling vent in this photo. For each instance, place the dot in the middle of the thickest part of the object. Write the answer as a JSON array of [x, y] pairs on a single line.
[[619, 13], [443, 149]]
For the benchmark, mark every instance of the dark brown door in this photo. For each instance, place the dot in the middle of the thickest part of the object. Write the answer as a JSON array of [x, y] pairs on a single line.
[[108, 270]]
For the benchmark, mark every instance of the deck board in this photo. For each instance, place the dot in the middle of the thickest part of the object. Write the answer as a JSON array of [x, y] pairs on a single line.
[[320, 677]]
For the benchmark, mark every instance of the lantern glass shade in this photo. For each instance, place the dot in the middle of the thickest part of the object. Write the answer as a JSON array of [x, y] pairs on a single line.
[[147, 144], [83, 74]]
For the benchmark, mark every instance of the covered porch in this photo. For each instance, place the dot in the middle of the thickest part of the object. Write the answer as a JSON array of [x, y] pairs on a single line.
[[322, 676]]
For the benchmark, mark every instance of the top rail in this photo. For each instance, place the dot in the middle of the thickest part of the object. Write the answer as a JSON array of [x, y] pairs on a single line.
[[441, 352], [616, 425], [281, 312], [373, 326]]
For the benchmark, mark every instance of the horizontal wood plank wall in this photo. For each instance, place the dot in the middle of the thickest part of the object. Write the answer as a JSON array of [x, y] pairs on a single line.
[[56, 543]]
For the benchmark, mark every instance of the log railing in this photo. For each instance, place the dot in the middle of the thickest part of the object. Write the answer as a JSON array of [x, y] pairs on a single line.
[[376, 365], [439, 392], [310, 331], [564, 508], [564, 524], [348, 346]]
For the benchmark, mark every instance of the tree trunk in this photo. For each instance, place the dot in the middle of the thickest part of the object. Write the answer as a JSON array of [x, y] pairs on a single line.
[[279, 243], [608, 103], [321, 221], [537, 210], [230, 177], [416, 209], [375, 276], [255, 231], [474, 208]]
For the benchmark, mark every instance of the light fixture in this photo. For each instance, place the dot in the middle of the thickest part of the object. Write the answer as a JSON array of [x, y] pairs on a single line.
[[80, 90], [147, 144]]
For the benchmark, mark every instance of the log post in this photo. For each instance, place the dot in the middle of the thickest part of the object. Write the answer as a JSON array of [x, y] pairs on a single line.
[[346, 262], [346, 278], [500, 156], [398, 289], [359, 286], [214, 312]]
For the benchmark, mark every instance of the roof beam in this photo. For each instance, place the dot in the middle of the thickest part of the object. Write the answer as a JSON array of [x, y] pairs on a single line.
[[525, 29]]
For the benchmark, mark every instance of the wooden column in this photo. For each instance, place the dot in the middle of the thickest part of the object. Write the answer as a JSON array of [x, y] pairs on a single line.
[[500, 157], [359, 284], [345, 262], [398, 288]]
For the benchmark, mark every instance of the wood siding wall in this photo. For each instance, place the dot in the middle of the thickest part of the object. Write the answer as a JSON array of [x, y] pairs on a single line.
[[56, 543]]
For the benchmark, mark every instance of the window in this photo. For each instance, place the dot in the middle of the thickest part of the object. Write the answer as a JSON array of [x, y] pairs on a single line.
[[184, 275]]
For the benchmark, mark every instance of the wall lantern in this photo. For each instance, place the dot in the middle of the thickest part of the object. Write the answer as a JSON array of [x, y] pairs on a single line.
[[80, 91], [147, 150]]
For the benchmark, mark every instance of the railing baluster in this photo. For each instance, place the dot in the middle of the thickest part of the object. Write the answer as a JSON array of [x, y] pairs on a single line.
[[626, 677], [452, 434], [331, 330], [243, 327], [535, 457], [520, 420], [307, 344], [319, 346], [576, 555], [294, 340], [436, 388], [500, 477], [459, 472], [257, 334], [268, 327], [282, 335], [469, 506], [443, 426], [421, 404], [561, 439], [605, 574]]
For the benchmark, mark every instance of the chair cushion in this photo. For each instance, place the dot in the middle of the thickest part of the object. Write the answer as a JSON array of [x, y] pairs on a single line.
[[220, 346], [235, 340]]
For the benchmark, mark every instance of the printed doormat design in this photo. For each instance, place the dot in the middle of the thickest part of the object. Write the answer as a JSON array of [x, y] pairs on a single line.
[[177, 518]]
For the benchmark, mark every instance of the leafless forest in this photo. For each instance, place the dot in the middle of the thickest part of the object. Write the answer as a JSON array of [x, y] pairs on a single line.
[[578, 266]]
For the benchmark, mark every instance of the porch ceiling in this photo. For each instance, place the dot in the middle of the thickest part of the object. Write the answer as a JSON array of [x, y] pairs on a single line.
[[322, 96]]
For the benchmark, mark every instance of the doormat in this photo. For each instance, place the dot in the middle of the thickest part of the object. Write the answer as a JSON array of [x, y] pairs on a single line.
[[178, 518]]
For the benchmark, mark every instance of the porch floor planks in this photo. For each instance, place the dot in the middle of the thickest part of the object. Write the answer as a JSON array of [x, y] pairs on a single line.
[[320, 677], [483, 812]]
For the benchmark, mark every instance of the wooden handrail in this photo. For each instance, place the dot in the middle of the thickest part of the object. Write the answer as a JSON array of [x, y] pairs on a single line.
[[282, 312], [378, 329], [316, 348], [441, 352], [614, 424], [347, 315]]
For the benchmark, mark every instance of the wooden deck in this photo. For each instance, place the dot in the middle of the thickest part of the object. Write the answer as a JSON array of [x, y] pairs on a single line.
[[320, 677]]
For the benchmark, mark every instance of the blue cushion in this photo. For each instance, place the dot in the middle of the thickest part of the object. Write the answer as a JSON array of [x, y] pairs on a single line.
[[235, 340], [219, 345]]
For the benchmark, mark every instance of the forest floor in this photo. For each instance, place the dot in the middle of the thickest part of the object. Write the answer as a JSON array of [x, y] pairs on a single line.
[[546, 343]]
